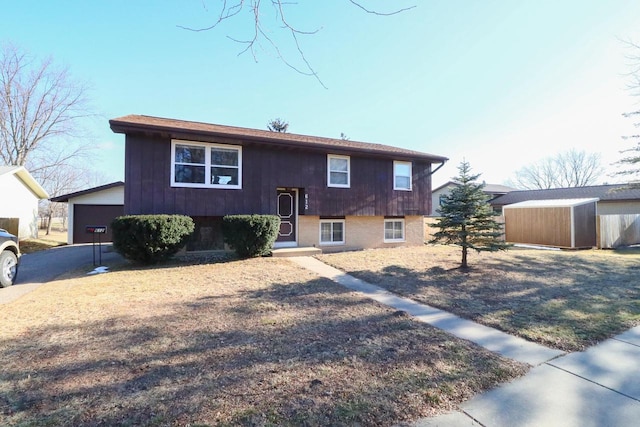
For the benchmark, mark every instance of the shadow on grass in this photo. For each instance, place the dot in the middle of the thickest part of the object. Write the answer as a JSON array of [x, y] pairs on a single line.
[[304, 354], [567, 302]]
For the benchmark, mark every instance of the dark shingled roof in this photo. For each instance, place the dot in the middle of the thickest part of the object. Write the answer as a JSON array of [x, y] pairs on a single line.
[[616, 192], [183, 129], [66, 197]]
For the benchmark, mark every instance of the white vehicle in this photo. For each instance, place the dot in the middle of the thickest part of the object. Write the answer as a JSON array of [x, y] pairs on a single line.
[[9, 258]]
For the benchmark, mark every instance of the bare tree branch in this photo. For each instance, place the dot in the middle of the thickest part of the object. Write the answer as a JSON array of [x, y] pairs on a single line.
[[395, 12], [261, 32]]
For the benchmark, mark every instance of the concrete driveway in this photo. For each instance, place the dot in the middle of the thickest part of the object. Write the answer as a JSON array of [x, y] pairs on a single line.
[[45, 266]]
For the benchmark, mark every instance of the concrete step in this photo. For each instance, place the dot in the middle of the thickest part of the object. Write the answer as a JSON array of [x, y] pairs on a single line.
[[292, 252]]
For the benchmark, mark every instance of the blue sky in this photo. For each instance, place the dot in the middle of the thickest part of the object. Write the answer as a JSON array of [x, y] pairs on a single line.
[[498, 83]]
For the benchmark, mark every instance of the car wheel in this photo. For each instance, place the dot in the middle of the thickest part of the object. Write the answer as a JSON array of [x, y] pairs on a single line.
[[8, 268]]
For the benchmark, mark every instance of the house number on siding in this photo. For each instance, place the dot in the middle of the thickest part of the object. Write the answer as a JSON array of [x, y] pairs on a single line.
[[306, 202]]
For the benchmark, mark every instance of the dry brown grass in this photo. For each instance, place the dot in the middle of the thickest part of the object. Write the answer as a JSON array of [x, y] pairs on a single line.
[[256, 342], [44, 241], [565, 299]]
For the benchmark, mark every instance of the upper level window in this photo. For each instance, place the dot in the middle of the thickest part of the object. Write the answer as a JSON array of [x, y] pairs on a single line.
[[338, 171], [402, 176], [199, 164]]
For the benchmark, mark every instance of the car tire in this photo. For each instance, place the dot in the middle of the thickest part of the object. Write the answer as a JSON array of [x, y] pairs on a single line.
[[8, 268]]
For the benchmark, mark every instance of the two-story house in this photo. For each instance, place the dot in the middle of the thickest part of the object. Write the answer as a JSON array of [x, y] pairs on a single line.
[[332, 194]]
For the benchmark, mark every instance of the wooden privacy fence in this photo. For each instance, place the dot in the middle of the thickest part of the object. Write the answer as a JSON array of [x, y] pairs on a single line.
[[618, 230], [12, 225]]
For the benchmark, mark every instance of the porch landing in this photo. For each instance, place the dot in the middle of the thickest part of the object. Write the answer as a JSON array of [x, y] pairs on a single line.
[[291, 252]]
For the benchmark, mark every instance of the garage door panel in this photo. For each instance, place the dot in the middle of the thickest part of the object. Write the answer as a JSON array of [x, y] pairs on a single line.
[[84, 215]]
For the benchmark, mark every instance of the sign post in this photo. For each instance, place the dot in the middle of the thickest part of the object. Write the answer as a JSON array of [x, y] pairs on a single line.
[[96, 230]]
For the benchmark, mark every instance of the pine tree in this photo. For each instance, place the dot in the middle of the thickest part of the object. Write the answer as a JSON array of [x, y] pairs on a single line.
[[466, 218], [278, 125]]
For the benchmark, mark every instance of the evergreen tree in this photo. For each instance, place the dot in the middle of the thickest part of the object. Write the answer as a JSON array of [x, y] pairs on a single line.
[[466, 219], [278, 125]]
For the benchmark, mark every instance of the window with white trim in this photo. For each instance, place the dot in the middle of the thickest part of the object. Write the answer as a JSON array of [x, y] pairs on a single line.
[[332, 232], [393, 230], [338, 171], [402, 176], [200, 164]]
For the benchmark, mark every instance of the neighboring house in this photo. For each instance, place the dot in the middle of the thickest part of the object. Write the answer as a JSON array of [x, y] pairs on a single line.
[[94, 206], [329, 193], [605, 216], [491, 190], [20, 194]]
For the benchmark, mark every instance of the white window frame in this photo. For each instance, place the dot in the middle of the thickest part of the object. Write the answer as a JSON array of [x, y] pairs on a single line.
[[395, 175], [384, 230], [207, 165], [336, 156], [332, 221]]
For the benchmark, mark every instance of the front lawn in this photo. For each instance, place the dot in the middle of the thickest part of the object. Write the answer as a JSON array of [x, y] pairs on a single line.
[[257, 342], [564, 299]]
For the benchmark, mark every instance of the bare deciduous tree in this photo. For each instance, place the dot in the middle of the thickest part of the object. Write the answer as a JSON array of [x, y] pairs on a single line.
[[38, 103], [631, 160], [41, 108], [571, 168], [267, 19]]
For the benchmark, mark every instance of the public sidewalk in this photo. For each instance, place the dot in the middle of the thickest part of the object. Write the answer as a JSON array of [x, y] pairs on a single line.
[[595, 388]]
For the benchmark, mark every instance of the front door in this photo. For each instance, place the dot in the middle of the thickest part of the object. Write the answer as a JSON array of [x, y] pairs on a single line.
[[287, 202]]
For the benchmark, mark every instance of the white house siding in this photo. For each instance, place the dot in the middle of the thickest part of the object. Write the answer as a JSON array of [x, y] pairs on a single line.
[[361, 232], [19, 202], [110, 196]]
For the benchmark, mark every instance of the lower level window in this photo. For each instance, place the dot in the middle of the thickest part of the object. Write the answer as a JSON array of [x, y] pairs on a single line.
[[332, 232], [394, 230]]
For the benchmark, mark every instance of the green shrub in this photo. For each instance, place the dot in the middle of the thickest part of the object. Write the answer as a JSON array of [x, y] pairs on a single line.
[[149, 239], [250, 235]]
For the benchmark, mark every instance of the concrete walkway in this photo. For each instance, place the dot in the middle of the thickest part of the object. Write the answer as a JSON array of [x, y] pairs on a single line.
[[598, 387]]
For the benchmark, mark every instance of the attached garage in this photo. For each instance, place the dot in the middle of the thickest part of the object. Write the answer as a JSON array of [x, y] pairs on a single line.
[[95, 206], [562, 223]]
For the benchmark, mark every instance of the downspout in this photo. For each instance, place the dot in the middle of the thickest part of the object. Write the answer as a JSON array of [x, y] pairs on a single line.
[[436, 169]]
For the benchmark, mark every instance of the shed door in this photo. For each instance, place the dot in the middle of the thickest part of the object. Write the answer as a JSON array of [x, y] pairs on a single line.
[[288, 217], [84, 215]]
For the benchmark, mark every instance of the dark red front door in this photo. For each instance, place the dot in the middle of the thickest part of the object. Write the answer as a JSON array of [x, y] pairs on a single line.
[[287, 214]]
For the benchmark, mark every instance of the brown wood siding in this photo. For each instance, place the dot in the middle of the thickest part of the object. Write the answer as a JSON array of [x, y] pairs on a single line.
[[584, 217], [539, 226], [264, 169]]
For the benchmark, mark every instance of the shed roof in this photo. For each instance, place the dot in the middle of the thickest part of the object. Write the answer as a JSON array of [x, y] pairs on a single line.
[[27, 179], [182, 128], [554, 203], [66, 197]]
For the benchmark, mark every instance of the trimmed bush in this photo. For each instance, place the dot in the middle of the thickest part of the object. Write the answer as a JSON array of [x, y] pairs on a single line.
[[250, 235], [149, 239]]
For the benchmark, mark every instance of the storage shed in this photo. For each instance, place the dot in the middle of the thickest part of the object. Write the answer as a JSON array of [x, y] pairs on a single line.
[[562, 223]]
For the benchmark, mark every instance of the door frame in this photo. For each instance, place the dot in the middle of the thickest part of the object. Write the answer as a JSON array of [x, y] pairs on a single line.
[[293, 244]]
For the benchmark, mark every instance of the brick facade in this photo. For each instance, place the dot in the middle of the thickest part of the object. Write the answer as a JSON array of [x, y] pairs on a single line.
[[361, 232]]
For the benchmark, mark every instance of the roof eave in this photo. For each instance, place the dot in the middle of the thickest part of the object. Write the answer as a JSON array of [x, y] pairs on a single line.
[[123, 127], [33, 185]]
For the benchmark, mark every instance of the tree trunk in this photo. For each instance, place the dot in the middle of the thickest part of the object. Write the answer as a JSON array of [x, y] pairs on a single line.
[[49, 221], [464, 257]]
